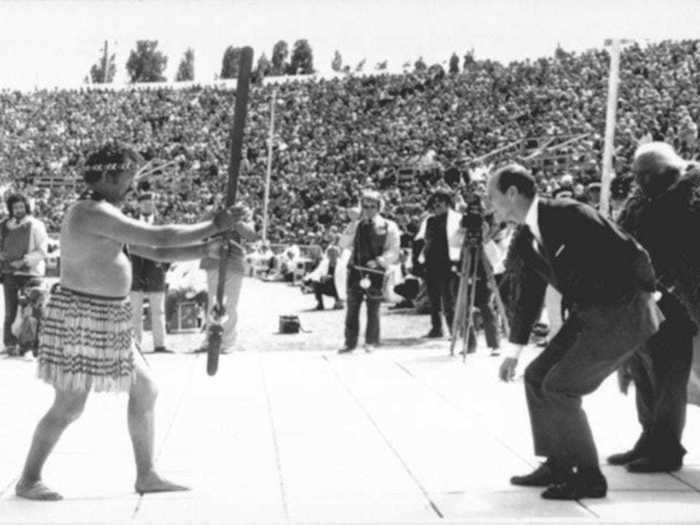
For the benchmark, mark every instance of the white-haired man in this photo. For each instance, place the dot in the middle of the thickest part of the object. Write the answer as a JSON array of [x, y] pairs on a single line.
[[662, 207]]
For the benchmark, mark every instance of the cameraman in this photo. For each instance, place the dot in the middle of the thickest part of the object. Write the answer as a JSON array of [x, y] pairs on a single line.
[[443, 238]]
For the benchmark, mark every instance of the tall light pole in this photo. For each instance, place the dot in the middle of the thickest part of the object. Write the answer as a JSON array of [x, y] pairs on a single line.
[[268, 175], [614, 48]]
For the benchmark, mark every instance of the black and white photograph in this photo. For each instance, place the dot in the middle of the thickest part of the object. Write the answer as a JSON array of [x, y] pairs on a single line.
[[349, 262]]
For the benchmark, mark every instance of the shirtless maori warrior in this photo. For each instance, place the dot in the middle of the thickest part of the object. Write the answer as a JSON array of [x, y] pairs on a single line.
[[85, 342]]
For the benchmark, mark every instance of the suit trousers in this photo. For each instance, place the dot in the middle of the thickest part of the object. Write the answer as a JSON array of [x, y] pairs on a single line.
[[482, 301], [326, 287], [660, 374], [355, 296], [442, 286], [591, 344], [156, 301]]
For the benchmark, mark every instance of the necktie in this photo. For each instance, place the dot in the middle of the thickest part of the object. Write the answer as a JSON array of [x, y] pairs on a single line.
[[532, 240]]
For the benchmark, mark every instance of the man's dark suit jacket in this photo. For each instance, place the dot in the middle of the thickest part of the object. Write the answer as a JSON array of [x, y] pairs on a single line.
[[586, 257]]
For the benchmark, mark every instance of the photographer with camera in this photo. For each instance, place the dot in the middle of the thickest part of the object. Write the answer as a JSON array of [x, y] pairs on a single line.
[[374, 242]]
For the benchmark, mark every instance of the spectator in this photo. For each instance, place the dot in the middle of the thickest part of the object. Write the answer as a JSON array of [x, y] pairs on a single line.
[[23, 250], [329, 278], [148, 281], [374, 244]]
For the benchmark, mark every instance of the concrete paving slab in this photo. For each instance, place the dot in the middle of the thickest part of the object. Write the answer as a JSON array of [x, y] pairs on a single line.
[[521, 505], [690, 474], [199, 507], [620, 479], [369, 508], [78, 510], [643, 506]]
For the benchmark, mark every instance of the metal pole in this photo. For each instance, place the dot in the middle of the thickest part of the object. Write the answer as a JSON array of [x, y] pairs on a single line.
[[610, 120], [266, 201]]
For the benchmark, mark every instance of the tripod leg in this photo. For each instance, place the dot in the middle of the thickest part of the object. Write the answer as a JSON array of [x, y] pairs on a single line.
[[470, 299], [460, 304], [496, 292]]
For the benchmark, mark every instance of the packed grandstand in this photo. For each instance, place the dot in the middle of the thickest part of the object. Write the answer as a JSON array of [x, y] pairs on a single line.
[[402, 133]]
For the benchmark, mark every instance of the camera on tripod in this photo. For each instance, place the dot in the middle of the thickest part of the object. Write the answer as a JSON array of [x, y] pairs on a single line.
[[475, 266], [473, 218]]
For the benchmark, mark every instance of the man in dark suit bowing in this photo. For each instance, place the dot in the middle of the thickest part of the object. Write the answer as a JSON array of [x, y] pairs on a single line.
[[606, 279]]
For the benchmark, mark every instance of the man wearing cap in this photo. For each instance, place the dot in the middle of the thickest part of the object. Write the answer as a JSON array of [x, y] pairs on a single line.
[[374, 242]]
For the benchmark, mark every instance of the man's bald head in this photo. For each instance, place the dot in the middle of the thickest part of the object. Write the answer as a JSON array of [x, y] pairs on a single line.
[[656, 167]]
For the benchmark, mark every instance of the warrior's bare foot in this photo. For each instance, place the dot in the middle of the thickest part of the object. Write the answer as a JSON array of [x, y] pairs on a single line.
[[36, 491], [152, 482]]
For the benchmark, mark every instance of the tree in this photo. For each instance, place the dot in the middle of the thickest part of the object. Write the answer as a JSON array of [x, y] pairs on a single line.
[[337, 63], [146, 63], [230, 62], [454, 64], [263, 68], [360, 65], [302, 61], [280, 52], [381, 66], [185, 70], [103, 71], [420, 65]]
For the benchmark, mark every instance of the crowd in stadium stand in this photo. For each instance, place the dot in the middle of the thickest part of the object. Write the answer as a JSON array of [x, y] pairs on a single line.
[[399, 133]]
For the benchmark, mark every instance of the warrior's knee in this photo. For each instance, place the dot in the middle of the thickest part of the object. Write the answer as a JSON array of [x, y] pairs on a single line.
[[144, 398], [67, 413]]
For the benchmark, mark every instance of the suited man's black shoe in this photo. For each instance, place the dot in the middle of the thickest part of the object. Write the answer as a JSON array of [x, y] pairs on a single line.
[[543, 476], [434, 334], [346, 349], [623, 458], [646, 465], [587, 483]]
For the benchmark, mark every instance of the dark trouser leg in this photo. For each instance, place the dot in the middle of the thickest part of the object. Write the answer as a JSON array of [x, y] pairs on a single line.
[[400, 290], [433, 283], [372, 330], [411, 289], [575, 363], [450, 285], [641, 370], [11, 287], [352, 315], [537, 403], [328, 288], [318, 293], [488, 316], [671, 351]]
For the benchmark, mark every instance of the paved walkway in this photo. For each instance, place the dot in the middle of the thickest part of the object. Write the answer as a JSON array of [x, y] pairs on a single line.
[[290, 432]]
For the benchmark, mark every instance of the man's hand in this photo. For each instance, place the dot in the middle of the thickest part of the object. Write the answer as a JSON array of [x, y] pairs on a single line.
[[226, 219], [17, 264], [372, 264], [507, 370], [213, 247]]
